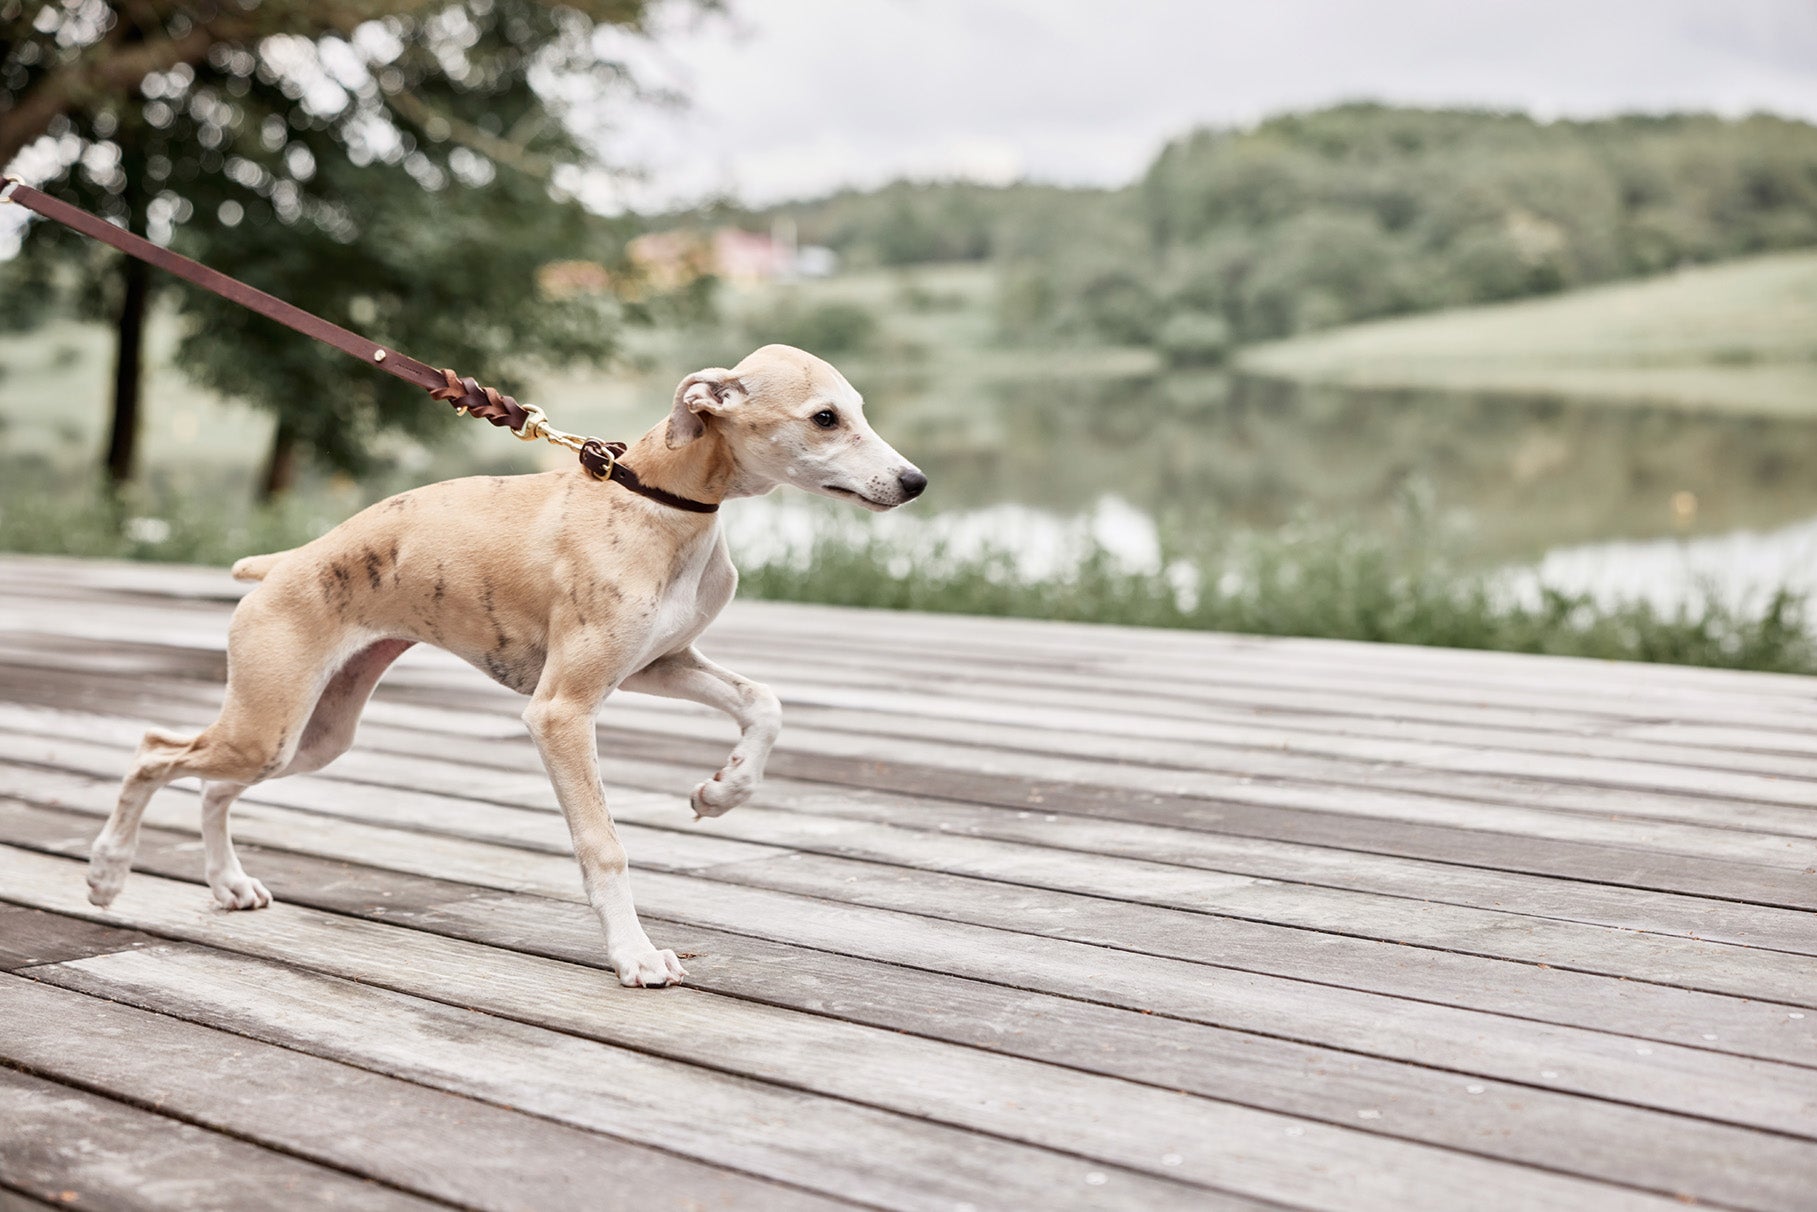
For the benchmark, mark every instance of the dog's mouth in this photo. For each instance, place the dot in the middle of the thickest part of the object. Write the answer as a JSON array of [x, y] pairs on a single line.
[[852, 494]]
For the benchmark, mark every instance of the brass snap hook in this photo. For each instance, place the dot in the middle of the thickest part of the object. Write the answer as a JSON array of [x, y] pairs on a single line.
[[6, 191]]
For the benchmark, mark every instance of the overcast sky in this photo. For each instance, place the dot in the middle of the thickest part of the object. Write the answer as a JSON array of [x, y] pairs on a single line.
[[795, 97]]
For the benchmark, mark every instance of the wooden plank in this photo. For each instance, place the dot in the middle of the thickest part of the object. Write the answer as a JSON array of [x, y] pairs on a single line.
[[1042, 724], [1685, 1158], [1549, 992], [853, 1151], [1067, 866], [1755, 702], [380, 759], [29, 937], [1274, 822], [657, 811], [1574, 822], [439, 1146], [1047, 883], [1658, 1075], [74, 1149], [1323, 1166], [1088, 716], [1187, 669]]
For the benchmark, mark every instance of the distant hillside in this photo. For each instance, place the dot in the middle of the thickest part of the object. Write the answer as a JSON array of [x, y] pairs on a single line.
[[1308, 221], [1739, 336]]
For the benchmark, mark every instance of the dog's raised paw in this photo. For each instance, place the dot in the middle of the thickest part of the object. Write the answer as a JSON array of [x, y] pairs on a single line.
[[650, 969], [719, 794], [240, 892]]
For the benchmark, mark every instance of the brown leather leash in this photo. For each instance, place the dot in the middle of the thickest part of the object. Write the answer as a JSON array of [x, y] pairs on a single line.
[[600, 459]]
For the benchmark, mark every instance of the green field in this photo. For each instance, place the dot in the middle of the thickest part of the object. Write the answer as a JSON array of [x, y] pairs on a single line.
[[1739, 336]]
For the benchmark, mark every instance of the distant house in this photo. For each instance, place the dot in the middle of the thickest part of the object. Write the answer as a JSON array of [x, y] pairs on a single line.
[[673, 258], [566, 279]]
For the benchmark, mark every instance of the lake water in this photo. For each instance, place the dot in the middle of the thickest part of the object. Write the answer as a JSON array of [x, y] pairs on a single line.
[[1620, 501]]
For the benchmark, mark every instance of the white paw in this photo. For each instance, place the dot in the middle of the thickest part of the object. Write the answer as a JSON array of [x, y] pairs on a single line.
[[106, 873], [723, 792], [239, 892], [649, 969]]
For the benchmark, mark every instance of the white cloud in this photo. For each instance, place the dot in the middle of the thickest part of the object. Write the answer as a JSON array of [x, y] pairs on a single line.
[[795, 97]]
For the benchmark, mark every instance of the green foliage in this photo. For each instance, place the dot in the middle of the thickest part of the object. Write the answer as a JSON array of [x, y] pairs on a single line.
[[1317, 219], [389, 166], [831, 328], [1312, 220], [142, 524], [919, 222], [1194, 338]]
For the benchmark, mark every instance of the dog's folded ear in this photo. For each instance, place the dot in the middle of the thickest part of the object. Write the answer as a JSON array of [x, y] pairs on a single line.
[[704, 393]]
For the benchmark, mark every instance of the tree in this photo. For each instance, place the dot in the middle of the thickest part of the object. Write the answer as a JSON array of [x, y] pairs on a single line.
[[392, 164]]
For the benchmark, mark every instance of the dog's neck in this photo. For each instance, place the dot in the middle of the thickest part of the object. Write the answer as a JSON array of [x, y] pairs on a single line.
[[703, 470]]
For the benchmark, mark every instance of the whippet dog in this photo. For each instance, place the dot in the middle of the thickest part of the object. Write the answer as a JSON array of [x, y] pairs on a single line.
[[559, 586]]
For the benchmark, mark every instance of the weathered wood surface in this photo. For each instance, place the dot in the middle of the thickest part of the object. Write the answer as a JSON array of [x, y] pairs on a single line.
[[1029, 915]]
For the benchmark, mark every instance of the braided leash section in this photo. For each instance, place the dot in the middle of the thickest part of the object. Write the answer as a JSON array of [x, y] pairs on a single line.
[[487, 403], [598, 458]]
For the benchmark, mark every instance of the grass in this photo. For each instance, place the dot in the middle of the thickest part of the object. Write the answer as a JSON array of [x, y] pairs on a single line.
[[1739, 336], [1323, 582]]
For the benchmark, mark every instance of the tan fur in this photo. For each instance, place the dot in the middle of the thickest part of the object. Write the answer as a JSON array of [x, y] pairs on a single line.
[[556, 586]]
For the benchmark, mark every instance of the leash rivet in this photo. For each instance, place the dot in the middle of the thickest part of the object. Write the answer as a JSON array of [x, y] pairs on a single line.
[[379, 356]]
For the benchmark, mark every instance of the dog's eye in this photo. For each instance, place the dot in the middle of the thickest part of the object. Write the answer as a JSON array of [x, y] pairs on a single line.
[[826, 418]]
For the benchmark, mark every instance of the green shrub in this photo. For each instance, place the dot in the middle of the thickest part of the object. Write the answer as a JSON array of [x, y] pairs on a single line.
[[1194, 338], [830, 329]]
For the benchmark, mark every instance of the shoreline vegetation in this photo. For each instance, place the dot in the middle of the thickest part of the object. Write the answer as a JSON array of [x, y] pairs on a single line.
[[1317, 581]]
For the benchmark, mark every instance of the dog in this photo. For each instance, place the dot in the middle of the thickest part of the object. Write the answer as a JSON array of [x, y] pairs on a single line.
[[560, 587]]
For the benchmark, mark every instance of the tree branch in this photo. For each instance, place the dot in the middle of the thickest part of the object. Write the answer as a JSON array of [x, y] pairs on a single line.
[[101, 71], [513, 155]]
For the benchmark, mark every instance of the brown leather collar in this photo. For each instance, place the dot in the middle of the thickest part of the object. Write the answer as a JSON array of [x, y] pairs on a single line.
[[599, 458]]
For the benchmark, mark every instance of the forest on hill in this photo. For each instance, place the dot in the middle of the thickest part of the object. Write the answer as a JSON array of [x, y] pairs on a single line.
[[1311, 220]]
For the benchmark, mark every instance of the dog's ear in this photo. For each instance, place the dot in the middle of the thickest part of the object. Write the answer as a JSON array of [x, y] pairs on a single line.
[[708, 392]]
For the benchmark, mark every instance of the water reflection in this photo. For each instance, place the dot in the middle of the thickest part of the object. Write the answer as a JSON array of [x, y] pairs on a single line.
[[1524, 475]]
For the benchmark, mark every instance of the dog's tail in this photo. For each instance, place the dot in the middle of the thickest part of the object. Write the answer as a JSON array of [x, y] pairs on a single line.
[[257, 568]]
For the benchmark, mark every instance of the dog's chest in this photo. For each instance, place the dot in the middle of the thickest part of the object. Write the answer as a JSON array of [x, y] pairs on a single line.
[[703, 583]]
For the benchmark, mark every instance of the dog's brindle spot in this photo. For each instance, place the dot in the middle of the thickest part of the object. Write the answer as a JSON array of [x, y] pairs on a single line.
[[375, 567], [277, 761], [401, 501], [337, 586], [498, 629], [520, 673]]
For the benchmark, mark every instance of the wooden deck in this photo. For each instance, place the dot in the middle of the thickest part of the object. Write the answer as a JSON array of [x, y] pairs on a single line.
[[1027, 916]]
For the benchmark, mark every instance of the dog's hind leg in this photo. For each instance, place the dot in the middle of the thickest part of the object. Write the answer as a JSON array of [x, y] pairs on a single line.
[[277, 668], [111, 856], [688, 675], [232, 887], [328, 734]]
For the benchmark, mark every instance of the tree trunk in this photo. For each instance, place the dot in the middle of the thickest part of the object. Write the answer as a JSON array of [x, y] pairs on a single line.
[[280, 474], [123, 438], [135, 296]]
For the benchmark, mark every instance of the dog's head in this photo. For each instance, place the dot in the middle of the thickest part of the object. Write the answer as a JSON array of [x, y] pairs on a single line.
[[788, 417]]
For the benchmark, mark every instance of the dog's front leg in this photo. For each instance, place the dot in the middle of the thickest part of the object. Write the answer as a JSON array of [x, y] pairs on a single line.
[[562, 728], [688, 675]]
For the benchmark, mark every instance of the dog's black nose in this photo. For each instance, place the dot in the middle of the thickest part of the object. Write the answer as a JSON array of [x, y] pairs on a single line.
[[913, 484]]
